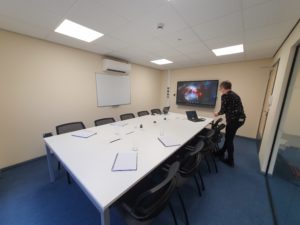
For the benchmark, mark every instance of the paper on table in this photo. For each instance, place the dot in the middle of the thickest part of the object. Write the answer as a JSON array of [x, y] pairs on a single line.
[[119, 124], [168, 141], [83, 133], [125, 161]]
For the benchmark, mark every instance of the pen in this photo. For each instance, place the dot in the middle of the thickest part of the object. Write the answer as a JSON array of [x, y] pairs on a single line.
[[130, 132], [115, 140]]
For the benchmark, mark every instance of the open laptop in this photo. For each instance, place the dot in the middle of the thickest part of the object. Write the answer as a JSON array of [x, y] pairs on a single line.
[[166, 109], [192, 116]]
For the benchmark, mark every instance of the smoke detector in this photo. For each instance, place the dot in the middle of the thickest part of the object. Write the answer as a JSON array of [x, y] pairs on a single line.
[[160, 26]]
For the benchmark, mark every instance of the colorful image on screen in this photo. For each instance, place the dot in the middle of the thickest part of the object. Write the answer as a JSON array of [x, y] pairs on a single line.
[[198, 93]]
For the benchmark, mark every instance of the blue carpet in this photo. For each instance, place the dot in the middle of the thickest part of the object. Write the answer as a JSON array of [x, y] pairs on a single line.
[[285, 187], [234, 196], [286, 198]]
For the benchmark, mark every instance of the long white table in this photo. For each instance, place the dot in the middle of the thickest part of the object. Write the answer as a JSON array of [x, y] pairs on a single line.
[[89, 160]]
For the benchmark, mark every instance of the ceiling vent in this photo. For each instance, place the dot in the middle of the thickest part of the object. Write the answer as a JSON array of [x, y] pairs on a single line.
[[116, 66]]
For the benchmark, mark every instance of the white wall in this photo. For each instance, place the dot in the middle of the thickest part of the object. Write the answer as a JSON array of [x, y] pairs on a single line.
[[249, 80], [285, 55], [44, 84]]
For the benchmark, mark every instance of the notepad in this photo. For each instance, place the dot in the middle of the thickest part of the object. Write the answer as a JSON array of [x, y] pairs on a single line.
[[168, 141], [125, 161], [83, 133], [119, 124]]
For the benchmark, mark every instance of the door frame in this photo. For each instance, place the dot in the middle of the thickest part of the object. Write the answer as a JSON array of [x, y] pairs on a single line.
[[258, 137]]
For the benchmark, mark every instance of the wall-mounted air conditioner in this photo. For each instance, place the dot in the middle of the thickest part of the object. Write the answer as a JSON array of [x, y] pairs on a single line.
[[116, 66]]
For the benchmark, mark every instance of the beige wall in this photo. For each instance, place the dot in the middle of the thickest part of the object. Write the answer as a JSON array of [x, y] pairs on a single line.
[[285, 55], [249, 80], [44, 84]]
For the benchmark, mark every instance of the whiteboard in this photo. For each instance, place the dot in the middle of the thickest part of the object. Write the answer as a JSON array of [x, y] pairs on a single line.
[[112, 89]]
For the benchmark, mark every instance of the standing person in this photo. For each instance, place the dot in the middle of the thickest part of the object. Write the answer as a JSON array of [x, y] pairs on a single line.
[[232, 107]]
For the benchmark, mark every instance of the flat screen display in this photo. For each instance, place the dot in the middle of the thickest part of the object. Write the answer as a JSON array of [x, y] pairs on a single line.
[[197, 93]]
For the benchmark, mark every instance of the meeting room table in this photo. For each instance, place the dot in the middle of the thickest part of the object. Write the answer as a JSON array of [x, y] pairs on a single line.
[[90, 155]]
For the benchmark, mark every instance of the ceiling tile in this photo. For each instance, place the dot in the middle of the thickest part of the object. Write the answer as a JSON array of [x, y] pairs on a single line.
[[264, 47], [28, 14], [231, 58], [58, 7], [219, 27], [75, 43], [196, 47], [19, 26], [269, 32], [289, 9], [180, 37], [95, 15], [199, 11], [133, 9], [271, 12], [225, 41], [250, 3]]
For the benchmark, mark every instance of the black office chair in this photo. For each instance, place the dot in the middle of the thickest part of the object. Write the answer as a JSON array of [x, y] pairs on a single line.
[[65, 128], [190, 159], [104, 121], [69, 127], [217, 138], [155, 111], [143, 113], [214, 124], [209, 149], [166, 109], [127, 116], [148, 198]]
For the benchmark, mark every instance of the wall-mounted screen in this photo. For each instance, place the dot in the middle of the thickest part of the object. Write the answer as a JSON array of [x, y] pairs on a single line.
[[197, 93]]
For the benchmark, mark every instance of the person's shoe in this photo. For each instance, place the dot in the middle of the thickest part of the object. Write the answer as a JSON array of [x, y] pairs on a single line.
[[228, 162]]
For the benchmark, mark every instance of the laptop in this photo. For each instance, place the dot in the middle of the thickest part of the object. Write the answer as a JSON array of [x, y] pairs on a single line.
[[166, 109], [192, 116]]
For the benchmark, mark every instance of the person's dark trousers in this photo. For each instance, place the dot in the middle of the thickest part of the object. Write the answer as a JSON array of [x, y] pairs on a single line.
[[231, 129]]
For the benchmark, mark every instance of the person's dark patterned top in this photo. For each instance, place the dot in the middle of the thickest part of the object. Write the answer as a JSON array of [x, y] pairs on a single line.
[[232, 107]]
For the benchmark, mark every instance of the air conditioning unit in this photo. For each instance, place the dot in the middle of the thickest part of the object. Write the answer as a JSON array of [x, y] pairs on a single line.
[[116, 66]]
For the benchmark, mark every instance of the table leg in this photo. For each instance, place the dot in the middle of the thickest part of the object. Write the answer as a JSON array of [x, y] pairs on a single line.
[[50, 167], [105, 217]]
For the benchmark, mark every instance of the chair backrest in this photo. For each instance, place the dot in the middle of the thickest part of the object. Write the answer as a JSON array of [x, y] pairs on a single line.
[[191, 160], [127, 116], [152, 201], [143, 113], [45, 135], [104, 121], [218, 136], [166, 109], [69, 127], [216, 123], [155, 111]]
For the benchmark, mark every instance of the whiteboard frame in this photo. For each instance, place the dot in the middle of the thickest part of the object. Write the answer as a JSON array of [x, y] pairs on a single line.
[[113, 89]]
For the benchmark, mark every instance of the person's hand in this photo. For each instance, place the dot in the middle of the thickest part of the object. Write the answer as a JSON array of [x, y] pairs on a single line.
[[216, 113]]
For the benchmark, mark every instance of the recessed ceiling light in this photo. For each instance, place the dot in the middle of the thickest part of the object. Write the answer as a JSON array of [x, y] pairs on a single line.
[[78, 31], [161, 61], [229, 50]]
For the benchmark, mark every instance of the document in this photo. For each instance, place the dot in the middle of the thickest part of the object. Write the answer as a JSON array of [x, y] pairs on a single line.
[[119, 124], [125, 161], [168, 141], [83, 133]]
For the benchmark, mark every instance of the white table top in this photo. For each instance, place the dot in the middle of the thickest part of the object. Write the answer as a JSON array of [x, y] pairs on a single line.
[[90, 159]]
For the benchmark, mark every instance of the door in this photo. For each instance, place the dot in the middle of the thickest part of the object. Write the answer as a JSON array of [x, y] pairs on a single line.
[[283, 173], [267, 104]]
